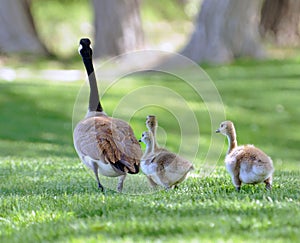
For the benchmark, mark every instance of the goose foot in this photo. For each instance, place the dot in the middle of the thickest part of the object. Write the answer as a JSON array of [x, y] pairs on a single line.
[[100, 187]]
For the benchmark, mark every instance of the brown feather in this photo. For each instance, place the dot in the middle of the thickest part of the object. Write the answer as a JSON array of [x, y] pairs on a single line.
[[112, 139]]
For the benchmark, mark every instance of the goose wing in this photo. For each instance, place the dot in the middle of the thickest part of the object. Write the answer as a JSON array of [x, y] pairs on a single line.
[[110, 140]]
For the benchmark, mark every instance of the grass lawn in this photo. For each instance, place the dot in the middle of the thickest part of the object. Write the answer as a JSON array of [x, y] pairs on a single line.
[[47, 195]]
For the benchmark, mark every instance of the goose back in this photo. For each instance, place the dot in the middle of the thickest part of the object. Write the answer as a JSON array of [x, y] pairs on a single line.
[[108, 140]]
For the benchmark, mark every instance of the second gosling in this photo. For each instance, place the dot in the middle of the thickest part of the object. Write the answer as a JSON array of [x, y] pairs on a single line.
[[152, 124], [162, 168]]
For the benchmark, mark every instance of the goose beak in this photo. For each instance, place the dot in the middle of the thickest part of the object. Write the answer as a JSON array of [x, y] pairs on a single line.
[[218, 131]]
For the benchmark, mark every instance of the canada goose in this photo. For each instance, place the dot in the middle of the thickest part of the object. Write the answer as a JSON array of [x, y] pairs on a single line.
[[246, 164], [103, 143], [162, 168], [151, 124]]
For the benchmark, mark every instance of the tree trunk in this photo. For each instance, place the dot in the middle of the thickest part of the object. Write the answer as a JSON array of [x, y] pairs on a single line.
[[280, 21], [18, 33], [225, 30], [118, 27]]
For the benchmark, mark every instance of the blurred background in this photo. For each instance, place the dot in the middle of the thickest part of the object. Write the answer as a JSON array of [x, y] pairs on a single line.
[[205, 31]]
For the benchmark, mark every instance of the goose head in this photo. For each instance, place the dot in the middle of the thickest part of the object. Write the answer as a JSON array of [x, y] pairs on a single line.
[[226, 128], [84, 48]]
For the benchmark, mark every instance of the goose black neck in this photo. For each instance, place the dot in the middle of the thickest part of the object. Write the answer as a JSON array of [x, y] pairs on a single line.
[[94, 102], [88, 63]]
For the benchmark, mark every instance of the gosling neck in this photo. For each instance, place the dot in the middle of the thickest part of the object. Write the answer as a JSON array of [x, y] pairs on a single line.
[[153, 130], [149, 146], [232, 141]]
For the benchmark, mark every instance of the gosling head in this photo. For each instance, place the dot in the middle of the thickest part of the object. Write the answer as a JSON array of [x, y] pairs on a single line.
[[146, 137], [226, 128], [151, 121]]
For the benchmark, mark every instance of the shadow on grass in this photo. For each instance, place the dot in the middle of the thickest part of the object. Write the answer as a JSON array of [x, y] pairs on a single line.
[[35, 118]]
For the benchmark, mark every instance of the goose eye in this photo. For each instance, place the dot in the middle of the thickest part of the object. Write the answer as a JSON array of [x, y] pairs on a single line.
[[222, 125]]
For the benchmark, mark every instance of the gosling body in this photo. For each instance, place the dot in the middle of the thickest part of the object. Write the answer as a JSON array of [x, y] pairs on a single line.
[[163, 168], [245, 164]]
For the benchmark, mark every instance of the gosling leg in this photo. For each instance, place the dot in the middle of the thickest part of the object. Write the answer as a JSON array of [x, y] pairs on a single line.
[[236, 182], [268, 183], [152, 183]]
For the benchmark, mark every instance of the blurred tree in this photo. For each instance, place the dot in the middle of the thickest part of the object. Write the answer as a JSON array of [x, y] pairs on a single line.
[[118, 27], [17, 32], [280, 20], [225, 30]]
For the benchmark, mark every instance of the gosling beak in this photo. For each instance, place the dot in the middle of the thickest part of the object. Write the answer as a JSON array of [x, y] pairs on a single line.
[[218, 131]]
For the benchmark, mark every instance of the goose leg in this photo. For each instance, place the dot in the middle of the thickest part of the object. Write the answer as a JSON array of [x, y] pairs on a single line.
[[268, 183], [95, 169], [176, 187], [121, 182]]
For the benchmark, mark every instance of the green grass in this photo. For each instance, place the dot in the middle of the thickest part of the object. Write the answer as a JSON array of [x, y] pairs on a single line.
[[47, 195]]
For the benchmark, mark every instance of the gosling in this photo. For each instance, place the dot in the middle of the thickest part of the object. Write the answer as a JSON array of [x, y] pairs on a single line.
[[162, 168], [152, 124], [246, 164]]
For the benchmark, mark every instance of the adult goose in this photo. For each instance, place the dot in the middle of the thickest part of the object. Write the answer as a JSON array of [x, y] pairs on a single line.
[[104, 144]]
